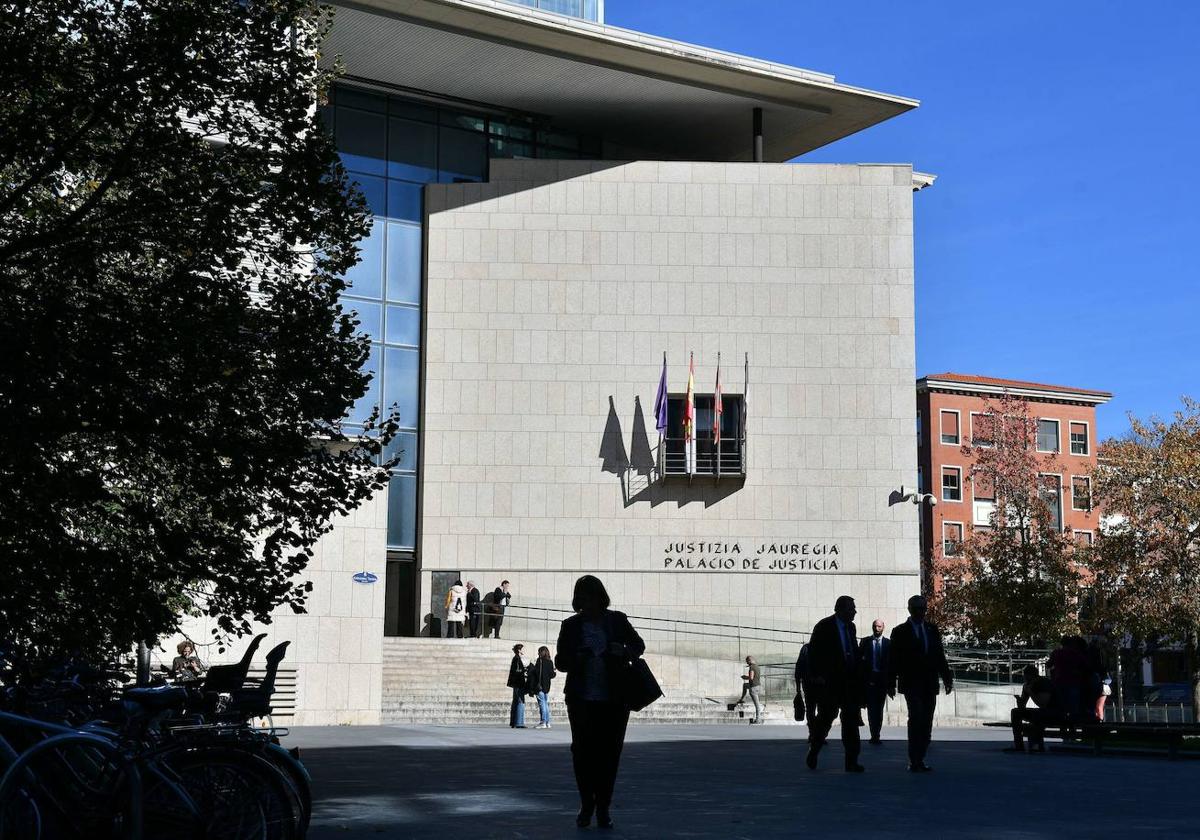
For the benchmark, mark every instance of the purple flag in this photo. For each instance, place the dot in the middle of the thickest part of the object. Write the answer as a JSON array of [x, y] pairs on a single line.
[[660, 401]]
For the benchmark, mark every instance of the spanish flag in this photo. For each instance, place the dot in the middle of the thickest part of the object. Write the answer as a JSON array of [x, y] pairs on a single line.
[[689, 417]]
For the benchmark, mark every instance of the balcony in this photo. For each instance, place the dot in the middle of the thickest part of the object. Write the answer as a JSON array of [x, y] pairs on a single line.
[[719, 459], [725, 460]]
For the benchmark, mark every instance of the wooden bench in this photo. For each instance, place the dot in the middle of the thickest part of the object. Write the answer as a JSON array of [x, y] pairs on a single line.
[[1171, 735]]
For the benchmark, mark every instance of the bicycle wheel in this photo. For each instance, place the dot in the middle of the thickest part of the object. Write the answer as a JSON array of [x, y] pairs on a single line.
[[297, 774], [240, 795], [65, 786], [20, 818]]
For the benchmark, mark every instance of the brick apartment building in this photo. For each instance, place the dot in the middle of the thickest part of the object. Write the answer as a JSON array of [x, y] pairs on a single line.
[[951, 411]]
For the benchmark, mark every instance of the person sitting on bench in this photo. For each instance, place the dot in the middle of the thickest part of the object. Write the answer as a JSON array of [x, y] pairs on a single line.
[[1041, 691]]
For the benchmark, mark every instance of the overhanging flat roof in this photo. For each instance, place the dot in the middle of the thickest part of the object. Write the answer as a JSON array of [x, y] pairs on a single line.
[[647, 97]]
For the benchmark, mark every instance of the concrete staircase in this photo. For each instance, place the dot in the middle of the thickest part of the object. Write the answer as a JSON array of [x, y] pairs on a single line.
[[462, 681]]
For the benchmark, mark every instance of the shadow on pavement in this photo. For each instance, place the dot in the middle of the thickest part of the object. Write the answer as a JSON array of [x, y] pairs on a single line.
[[746, 789]]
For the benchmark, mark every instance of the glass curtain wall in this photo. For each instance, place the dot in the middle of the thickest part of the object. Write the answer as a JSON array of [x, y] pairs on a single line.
[[392, 147], [587, 9]]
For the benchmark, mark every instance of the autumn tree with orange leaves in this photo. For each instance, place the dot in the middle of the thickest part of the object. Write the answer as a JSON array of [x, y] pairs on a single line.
[[1014, 583], [1146, 559]]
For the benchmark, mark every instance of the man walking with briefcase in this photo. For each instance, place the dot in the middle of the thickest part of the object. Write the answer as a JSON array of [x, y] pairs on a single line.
[[834, 679]]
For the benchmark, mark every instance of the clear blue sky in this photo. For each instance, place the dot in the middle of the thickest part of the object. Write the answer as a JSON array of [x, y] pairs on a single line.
[[1066, 140]]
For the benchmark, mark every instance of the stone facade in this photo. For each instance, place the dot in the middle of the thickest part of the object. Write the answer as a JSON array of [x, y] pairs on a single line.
[[337, 645], [552, 293]]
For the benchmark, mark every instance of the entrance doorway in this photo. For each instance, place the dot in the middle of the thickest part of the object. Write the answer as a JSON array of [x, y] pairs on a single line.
[[400, 599]]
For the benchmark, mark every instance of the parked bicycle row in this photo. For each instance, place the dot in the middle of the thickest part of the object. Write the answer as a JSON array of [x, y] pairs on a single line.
[[84, 754]]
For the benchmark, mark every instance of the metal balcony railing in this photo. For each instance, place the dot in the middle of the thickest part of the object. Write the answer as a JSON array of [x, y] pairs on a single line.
[[727, 458]]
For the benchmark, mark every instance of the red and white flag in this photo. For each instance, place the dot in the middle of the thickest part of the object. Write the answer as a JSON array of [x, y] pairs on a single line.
[[718, 408], [689, 418]]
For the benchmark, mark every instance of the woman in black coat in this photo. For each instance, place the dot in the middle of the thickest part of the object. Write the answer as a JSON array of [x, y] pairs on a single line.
[[594, 649], [516, 681]]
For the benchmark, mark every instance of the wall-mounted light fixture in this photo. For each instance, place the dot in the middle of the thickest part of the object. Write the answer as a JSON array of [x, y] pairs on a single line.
[[901, 495]]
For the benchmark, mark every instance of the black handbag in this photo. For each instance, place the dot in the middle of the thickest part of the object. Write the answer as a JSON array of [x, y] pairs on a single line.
[[516, 677], [639, 687], [798, 710]]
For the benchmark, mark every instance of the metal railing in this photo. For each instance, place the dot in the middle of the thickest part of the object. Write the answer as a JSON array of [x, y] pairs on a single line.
[[774, 647], [993, 667], [775, 650], [676, 637], [1180, 713], [778, 679], [727, 458]]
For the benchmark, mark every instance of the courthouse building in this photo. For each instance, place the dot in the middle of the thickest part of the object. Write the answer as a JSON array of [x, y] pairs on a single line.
[[560, 206]]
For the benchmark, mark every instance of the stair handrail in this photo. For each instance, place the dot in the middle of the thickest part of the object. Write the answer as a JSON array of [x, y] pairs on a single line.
[[743, 628], [963, 658], [747, 637]]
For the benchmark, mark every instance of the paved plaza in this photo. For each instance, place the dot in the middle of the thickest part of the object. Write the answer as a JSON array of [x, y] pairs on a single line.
[[730, 782]]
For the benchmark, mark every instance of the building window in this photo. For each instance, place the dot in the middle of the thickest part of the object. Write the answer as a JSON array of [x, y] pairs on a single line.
[[1081, 493], [983, 498], [1079, 438], [1050, 491], [951, 484], [712, 457], [920, 479], [952, 539], [949, 420], [392, 147], [1047, 436], [983, 486], [1083, 538], [919, 429], [983, 429], [586, 9], [982, 513], [402, 511]]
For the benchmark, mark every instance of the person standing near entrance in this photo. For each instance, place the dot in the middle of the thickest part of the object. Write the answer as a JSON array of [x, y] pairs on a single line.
[[474, 610], [918, 661], [874, 653], [456, 610], [833, 676], [595, 647], [516, 681], [544, 673], [500, 601]]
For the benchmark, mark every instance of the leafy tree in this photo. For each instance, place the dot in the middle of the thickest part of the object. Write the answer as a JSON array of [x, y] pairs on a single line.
[[1014, 582], [1146, 560], [173, 360]]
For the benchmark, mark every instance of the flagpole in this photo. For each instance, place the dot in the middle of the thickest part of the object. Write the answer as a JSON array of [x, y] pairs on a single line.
[[661, 401], [690, 418], [662, 432], [717, 414], [745, 410]]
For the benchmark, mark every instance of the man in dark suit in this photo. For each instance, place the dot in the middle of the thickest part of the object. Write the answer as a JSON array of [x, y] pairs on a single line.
[[918, 661], [874, 654], [474, 609], [804, 691], [501, 598], [833, 676]]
